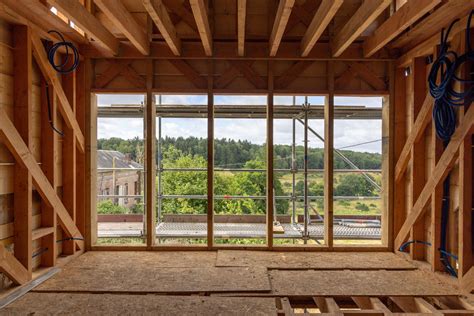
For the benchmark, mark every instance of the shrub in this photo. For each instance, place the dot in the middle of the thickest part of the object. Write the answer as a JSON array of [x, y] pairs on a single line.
[[108, 207]]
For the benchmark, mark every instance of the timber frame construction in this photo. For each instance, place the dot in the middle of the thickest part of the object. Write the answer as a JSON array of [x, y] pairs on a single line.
[[327, 48]]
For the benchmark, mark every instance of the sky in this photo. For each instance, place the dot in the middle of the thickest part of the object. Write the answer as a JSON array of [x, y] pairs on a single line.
[[346, 132]]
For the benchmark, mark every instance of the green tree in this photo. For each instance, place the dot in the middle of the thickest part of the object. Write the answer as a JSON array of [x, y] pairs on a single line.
[[354, 185]]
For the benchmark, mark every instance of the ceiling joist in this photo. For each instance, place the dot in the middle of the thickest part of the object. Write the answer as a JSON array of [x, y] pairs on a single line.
[[126, 23], [77, 13], [159, 15], [241, 15], [358, 23], [326, 11], [408, 14], [281, 20], [200, 15]]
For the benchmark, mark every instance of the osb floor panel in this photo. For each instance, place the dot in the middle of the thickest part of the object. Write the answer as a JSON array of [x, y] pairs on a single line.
[[110, 304], [127, 277], [139, 259], [312, 260], [358, 283]]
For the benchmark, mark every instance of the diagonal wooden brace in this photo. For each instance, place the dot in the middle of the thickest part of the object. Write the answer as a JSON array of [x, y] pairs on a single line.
[[24, 157], [51, 77]]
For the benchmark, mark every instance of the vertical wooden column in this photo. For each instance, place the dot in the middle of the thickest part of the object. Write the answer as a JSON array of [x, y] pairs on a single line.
[[270, 192], [329, 158], [22, 95], [49, 151], [466, 191], [91, 159], [387, 161], [417, 170], [150, 141], [399, 139], [210, 155], [81, 101], [69, 157]]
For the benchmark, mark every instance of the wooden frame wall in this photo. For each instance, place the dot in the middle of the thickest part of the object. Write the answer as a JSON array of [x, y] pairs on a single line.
[[422, 164]]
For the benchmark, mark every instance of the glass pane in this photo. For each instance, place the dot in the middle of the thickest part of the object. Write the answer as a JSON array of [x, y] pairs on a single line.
[[357, 173], [120, 171], [181, 175]]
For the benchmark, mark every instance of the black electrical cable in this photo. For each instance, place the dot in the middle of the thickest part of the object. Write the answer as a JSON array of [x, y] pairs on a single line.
[[50, 116], [70, 238], [62, 68], [442, 81]]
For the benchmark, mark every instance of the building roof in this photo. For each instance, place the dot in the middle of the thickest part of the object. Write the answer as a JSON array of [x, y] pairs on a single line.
[[105, 160]]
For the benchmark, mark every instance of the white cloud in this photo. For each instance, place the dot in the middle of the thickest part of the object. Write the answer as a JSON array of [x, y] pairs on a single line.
[[346, 132]]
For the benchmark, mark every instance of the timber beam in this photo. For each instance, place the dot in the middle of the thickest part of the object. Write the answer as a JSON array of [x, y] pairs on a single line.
[[281, 20], [12, 268], [202, 21]]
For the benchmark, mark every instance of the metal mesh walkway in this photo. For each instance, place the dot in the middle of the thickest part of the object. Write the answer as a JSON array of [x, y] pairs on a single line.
[[235, 230]]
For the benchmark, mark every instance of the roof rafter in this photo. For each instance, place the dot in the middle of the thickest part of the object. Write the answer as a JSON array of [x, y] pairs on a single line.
[[408, 14], [241, 16], [281, 20], [326, 11], [200, 15], [77, 13], [126, 23], [358, 23], [159, 14]]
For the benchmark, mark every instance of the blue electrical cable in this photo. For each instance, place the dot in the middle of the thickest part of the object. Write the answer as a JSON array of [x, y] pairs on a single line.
[[442, 80]]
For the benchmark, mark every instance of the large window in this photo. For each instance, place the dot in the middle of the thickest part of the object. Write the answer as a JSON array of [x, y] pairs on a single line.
[[239, 170]]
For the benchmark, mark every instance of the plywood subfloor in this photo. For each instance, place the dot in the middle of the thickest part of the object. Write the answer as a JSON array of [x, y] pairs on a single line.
[[358, 283], [111, 304], [312, 260], [139, 259], [127, 277]]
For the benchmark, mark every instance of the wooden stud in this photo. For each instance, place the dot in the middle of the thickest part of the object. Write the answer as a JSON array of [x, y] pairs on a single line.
[[246, 70], [290, 75], [329, 159], [368, 76], [50, 76], [23, 109], [408, 14], [210, 155], [270, 176], [358, 23], [281, 19], [326, 11], [439, 173], [69, 157], [241, 16], [417, 93], [200, 15], [77, 13], [159, 15], [150, 156], [126, 23], [24, 157], [115, 68]]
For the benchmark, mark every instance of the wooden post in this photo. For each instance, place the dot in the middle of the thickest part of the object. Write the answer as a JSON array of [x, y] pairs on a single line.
[[22, 95], [49, 149], [329, 158], [270, 191], [69, 157], [210, 155], [399, 138], [417, 93], [81, 102], [150, 141], [387, 161]]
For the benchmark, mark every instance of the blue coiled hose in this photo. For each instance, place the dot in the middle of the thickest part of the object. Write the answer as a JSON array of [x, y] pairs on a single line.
[[442, 80]]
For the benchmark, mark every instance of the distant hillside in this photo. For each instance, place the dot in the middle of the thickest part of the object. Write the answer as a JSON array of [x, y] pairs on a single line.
[[230, 153]]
